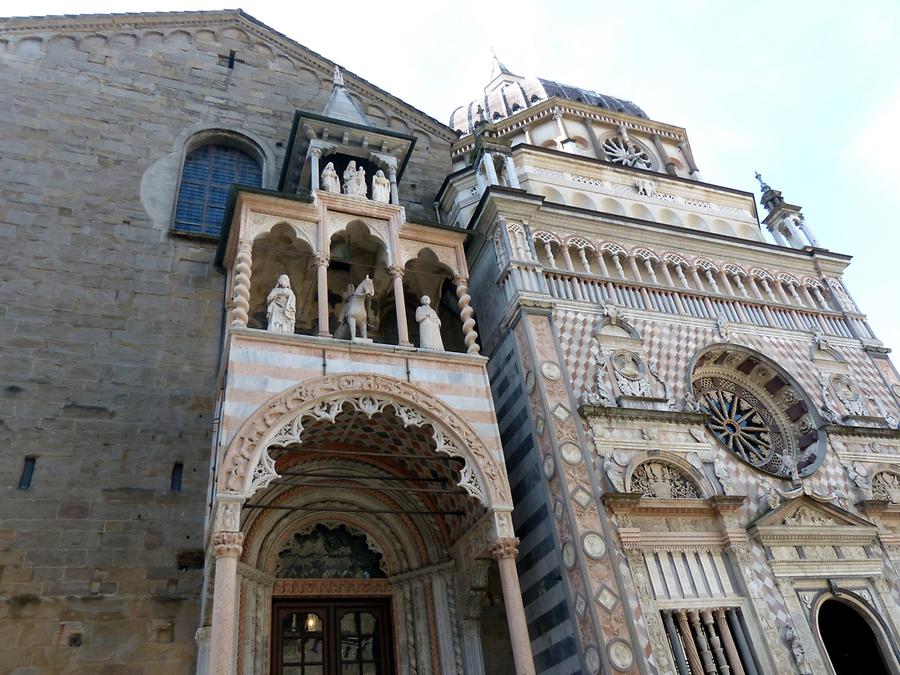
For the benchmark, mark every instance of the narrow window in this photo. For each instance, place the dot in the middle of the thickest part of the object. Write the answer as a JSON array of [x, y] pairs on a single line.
[[207, 175], [177, 471], [27, 473]]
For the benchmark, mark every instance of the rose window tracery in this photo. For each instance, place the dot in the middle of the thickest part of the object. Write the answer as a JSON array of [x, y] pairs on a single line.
[[757, 413], [626, 153]]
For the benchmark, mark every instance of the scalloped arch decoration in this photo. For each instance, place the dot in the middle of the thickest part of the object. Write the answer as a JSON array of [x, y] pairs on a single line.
[[247, 467]]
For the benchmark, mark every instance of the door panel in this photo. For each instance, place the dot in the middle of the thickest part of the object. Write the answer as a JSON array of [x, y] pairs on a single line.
[[332, 637]]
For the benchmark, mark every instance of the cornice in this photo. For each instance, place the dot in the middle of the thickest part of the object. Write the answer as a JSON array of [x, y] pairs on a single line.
[[669, 416]]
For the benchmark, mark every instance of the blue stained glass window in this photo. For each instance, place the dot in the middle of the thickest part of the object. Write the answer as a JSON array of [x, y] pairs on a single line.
[[209, 172]]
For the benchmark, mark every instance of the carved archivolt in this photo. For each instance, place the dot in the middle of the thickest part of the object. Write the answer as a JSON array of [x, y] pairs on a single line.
[[338, 221], [446, 255], [262, 223], [247, 466]]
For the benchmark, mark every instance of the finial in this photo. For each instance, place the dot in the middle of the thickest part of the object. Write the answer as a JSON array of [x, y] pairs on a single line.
[[338, 78], [503, 70], [762, 184]]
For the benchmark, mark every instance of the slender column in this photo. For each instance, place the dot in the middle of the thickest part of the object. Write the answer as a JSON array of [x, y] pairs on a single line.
[[472, 653], [618, 264], [738, 632], [504, 551], [240, 293], [649, 265], [730, 648], [549, 251], [511, 177], [810, 237], [314, 155], [601, 263], [708, 665], [819, 297], [680, 661], [395, 194], [740, 285], [683, 279], [488, 161], [690, 647], [465, 314], [728, 287], [667, 162], [567, 258], [712, 280], [585, 263], [783, 295], [322, 294], [400, 305], [777, 236], [715, 644], [793, 235], [666, 274], [635, 270], [227, 548], [807, 296], [696, 277]]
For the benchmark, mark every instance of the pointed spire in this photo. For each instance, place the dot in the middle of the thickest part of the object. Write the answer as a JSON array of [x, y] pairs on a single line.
[[499, 68], [762, 184], [341, 105]]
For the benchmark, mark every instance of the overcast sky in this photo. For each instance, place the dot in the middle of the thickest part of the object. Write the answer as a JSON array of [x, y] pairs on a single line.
[[808, 93]]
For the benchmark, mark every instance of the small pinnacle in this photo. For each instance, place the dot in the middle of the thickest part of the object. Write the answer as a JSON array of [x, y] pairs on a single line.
[[762, 184]]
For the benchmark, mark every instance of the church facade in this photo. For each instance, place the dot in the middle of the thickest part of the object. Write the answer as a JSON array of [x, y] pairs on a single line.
[[300, 380]]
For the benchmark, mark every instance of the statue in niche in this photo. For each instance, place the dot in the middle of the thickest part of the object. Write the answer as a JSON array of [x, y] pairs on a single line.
[[429, 326], [281, 311], [355, 313], [330, 181], [350, 177], [381, 188], [797, 649]]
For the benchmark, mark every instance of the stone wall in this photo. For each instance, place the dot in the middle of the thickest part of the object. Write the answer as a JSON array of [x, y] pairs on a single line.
[[111, 325]]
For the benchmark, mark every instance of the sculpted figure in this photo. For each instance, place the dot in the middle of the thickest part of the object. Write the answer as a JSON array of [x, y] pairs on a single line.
[[429, 326], [350, 178], [381, 188], [355, 313], [359, 183], [282, 307], [330, 181]]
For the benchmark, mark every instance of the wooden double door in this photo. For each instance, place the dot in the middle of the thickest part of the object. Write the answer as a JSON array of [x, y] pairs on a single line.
[[327, 636]]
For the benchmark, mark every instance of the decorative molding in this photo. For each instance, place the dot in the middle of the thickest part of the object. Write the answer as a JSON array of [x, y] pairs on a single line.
[[317, 587]]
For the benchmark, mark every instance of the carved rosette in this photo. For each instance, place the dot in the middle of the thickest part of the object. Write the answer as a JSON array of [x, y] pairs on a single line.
[[228, 544], [505, 548]]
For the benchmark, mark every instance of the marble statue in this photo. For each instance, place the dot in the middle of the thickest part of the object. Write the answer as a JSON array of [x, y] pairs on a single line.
[[381, 188], [429, 326], [358, 186], [350, 177], [330, 181], [281, 311], [355, 313]]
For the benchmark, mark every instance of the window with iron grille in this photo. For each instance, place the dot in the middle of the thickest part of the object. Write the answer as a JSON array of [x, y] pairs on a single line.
[[208, 174], [706, 641]]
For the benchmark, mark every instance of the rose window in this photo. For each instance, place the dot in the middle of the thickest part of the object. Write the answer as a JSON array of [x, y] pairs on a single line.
[[625, 153], [757, 413]]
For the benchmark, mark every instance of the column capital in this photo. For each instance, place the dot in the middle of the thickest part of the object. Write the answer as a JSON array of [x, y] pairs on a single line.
[[322, 259], [460, 280], [228, 544], [508, 547], [395, 271]]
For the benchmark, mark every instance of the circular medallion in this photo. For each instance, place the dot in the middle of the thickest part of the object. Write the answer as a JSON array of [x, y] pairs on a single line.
[[628, 364], [620, 654], [592, 659], [530, 381], [569, 555], [571, 453], [593, 545], [550, 370], [549, 466]]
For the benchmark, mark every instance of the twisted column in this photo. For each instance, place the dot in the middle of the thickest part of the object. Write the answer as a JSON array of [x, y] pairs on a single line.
[[227, 548], [465, 314], [505, 551], [322, 294], [240, 290], [715, 644], [400, 305], [730, 648], [708, 665], [690, 647]]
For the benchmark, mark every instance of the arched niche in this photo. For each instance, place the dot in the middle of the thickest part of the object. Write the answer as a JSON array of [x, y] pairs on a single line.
[[696, 222], [664, 477], [669, 217], [641, 211], [610, 205], [354, 253], [279, 251], [341, 162], [583, 201], [425, 275], [854, 636], [550, 194]]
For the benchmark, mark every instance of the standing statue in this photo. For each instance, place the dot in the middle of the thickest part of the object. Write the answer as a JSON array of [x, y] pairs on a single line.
[[281, 312], [330, 181], [355, 313], [381, 188], [350, 177], [358, 187], [429, 326], [797, 648]]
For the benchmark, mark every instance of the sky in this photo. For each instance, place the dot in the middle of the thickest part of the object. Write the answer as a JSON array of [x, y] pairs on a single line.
[[807, 93]]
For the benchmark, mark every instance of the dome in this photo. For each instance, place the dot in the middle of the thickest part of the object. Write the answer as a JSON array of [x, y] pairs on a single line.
[[513, 93]]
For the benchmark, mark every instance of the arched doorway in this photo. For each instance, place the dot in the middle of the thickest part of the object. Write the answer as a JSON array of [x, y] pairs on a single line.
[[409, 499], [849, 640]]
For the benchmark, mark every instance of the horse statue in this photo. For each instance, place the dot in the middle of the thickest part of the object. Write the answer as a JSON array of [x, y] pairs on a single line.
[[355, 312]]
